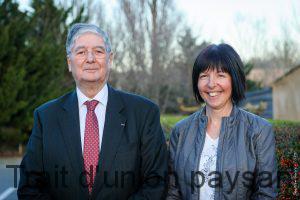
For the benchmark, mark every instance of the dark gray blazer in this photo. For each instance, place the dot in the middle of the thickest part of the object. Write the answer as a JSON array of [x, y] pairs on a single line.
[[133, 157], [246, 162]]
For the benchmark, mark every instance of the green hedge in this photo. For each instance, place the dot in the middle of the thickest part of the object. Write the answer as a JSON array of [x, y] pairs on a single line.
[[287, 135]]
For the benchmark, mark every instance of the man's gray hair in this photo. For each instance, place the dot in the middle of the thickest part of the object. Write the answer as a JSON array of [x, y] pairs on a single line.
[[80, 28]]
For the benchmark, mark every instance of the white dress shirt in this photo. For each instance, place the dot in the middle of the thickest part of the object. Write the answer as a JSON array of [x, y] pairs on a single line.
[[100, 111]]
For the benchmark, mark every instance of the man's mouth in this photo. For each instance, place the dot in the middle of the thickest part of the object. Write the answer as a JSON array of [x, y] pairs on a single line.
[[92, 69]]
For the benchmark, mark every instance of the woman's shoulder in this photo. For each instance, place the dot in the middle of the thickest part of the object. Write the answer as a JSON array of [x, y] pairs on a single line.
[[253, 119], [180, 129], [187, 122]]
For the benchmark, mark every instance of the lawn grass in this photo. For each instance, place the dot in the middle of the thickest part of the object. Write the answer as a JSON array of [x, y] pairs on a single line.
[[168, 121]]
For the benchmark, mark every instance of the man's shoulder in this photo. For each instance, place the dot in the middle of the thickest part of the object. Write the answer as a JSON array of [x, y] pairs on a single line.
[[54, 104], [131, 99]]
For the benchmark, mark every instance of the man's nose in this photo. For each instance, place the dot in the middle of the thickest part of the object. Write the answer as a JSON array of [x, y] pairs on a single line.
[[90, 56]]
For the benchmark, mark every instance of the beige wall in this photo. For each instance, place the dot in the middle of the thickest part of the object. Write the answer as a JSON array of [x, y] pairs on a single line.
[[265, 76], [286, 97]]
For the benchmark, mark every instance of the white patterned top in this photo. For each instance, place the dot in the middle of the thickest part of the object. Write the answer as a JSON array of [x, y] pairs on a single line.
[[207, 165]]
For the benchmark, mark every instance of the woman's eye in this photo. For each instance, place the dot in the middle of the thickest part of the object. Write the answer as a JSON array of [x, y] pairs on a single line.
[[202, 76]]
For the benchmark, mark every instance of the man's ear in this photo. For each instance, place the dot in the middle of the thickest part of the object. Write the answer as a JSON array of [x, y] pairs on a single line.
[[69, 64], [111, 58]]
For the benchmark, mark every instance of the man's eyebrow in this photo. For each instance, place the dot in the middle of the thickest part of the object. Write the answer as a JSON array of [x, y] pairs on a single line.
[[82, 47], [100, 46], [79, 47]]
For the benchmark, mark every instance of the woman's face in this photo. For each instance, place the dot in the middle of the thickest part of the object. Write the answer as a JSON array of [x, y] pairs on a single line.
[[215, 88]]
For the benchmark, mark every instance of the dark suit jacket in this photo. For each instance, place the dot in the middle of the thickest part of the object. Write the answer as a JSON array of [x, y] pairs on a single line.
[[133, 157]]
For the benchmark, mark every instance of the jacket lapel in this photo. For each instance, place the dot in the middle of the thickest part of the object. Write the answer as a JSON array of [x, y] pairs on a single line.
[[195, 138], [114, 125], [69, 124]]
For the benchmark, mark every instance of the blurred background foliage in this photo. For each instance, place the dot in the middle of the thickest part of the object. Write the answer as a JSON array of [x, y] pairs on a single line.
[[32, 63]]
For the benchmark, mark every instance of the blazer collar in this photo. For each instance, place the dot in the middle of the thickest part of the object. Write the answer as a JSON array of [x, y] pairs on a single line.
[[70, 129], [71, 102], [114, 100]]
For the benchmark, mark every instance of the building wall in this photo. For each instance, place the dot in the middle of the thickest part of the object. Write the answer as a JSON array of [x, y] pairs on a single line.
[[286, 97], [266, 76]]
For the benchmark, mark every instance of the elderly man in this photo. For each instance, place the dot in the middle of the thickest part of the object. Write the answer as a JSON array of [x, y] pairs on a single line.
[[94, 142]]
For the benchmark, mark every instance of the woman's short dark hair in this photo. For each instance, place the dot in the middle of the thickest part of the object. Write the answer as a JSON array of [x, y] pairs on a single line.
[[221, 57]]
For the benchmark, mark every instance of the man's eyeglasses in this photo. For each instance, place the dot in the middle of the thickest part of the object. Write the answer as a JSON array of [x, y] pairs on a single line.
[[98, 53]]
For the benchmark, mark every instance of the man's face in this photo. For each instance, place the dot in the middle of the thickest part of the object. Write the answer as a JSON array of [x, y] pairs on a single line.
[[88, 61]]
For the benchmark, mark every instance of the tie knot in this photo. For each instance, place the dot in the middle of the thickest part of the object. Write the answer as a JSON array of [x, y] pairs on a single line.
[[91, 105]]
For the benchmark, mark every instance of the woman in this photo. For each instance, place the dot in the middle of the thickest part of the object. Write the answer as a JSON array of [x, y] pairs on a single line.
[[221, 151]]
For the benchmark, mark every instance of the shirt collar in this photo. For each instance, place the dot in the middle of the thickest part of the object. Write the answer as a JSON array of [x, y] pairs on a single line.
[[102, 96]]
